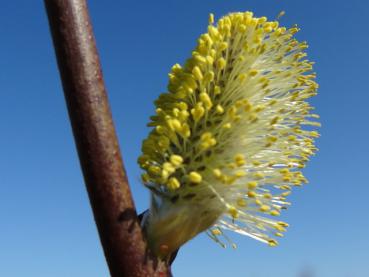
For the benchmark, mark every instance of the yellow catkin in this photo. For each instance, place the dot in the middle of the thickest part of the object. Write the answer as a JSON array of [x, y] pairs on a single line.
[[230, 134]]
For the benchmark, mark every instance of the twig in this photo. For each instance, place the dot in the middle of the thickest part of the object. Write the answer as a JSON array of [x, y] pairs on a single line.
[[97, 144]]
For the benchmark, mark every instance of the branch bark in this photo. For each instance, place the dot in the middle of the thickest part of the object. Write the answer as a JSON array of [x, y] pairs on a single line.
[[103, 170]]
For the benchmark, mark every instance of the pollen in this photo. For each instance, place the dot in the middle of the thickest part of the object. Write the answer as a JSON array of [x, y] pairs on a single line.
[[173, 183], [211, 18], [253, 72], [264, 208], [217, 173], [198, 111], [216, 232], [154, 170], [240, 160], [227, 126], [204, 97], [233, 212], [259, 175], [272, 242], [251, 194], [217, 90], [197, 73], [176, 160], [219, 109], [241, 202], [169, 167], [207, 140], [195, 177], [221, 63], [252, 185], [274, 213]]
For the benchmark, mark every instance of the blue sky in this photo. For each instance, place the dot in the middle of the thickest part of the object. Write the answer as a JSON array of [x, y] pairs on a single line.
[[47, 228]]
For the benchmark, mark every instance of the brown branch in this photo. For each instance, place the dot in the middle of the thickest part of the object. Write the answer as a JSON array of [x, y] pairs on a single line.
[[97, 144]]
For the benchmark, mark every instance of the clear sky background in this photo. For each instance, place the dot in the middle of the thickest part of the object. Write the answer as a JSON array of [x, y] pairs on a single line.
[[46, 225]]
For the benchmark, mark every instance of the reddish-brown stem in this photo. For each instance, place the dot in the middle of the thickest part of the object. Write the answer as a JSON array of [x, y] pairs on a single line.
[[113, 208]]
